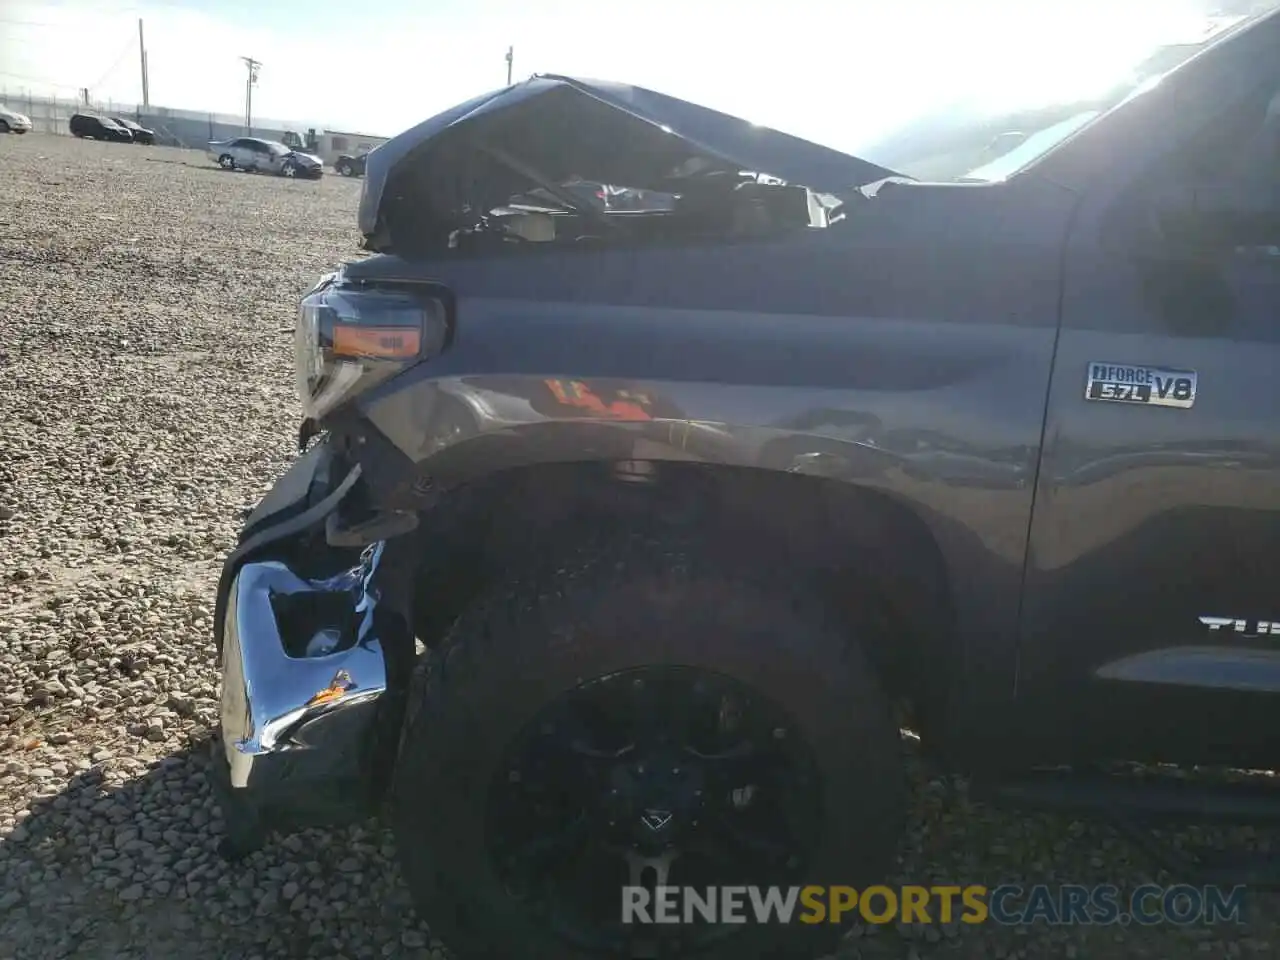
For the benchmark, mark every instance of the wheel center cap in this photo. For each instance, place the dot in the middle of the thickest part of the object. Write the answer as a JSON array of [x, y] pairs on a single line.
[[655, 799], [657, 821]]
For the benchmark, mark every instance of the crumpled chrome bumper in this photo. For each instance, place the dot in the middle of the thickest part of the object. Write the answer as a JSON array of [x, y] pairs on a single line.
[[302, 673]]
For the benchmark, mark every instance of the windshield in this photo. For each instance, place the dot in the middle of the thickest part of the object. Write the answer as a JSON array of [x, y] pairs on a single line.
[[1045, 97], [276, 148]]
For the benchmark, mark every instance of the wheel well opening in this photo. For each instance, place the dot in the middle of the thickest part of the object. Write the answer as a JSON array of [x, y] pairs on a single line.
[[872, 559]]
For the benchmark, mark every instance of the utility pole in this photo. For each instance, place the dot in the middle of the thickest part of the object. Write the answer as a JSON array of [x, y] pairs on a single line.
[[142, 56], [511, 53], [250, 80]]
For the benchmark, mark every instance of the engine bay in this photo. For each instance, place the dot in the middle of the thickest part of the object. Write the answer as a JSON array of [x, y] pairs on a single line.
[[714, 208], [558, 161]]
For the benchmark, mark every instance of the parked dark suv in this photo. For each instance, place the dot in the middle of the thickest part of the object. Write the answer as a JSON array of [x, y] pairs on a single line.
[[139, 133], [91, 127], [351, 166]]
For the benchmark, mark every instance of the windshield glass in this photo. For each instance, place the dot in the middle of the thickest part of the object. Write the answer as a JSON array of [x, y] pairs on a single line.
[[276, 148], [1039, 95]]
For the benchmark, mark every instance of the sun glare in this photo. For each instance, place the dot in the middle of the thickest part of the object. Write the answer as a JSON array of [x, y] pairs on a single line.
[[1052, 57]]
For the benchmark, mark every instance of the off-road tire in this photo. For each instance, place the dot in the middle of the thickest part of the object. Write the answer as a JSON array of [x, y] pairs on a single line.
[[604, 608]]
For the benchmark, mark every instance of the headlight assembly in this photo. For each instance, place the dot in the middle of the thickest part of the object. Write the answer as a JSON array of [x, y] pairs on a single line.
[[351, 338]]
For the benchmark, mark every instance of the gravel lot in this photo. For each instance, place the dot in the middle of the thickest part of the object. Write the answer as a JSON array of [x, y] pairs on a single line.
[[146, 399]]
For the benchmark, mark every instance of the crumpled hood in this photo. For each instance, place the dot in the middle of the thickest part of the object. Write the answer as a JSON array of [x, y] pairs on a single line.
[[308, 158], [479, 153]]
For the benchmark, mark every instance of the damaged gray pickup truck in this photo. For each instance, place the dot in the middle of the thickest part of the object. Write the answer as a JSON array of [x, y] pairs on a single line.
[[624, 542]]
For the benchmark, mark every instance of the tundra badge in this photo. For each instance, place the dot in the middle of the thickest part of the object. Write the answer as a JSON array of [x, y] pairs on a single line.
[[1153, 386]]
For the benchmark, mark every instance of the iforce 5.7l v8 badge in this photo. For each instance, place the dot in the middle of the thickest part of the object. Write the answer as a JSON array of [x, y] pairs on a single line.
[[1153, 386]]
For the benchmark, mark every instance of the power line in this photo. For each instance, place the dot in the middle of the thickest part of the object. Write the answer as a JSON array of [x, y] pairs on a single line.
[[115, 66], [44, 80], [101, 8], [75, 8]]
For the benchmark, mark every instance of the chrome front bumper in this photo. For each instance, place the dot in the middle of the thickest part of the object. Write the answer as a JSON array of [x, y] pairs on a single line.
[[302, 675]]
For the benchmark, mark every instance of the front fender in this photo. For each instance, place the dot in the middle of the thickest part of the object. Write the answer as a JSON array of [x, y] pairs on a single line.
[[916, 412], [905, 351], [433, 434]]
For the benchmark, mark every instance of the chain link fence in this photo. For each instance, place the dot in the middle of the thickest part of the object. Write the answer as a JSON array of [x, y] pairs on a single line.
[[173, 127]]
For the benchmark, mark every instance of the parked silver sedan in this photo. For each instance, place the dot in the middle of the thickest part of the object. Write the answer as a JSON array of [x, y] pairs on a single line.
[[11, 121], [264, 156]]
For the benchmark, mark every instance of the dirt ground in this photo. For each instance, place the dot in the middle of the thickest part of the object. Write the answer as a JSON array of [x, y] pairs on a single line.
[[146, 399]]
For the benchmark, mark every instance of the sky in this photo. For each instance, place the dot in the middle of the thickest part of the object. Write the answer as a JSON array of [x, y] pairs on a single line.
[[840, 72]]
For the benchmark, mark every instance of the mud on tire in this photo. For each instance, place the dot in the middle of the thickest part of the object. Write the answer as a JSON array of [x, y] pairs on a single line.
[[604, 609]]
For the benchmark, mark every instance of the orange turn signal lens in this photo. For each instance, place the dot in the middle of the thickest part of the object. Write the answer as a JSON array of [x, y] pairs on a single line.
[[382, 343]]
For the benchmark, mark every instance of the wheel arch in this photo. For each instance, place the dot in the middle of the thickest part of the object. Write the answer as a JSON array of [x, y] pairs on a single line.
[[873, 557]]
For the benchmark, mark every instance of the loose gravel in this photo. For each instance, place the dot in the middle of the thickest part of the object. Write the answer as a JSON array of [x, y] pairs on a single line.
[[146, 400]]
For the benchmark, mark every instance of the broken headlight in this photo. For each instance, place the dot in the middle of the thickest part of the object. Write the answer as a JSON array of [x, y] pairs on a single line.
[[350, 338]]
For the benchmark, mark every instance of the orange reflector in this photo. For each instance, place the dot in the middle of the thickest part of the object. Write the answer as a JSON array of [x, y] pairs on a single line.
[[388, 343], [327, 695], [339, 685]]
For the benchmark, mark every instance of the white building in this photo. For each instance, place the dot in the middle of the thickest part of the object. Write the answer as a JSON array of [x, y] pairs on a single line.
[[332, 144]]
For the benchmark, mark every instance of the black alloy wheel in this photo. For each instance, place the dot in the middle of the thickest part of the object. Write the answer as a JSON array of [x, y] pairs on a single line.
[[633, 713], [655, 776]]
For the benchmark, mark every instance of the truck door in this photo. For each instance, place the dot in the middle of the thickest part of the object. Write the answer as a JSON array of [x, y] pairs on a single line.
[[1151, 617]]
